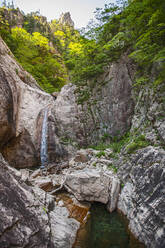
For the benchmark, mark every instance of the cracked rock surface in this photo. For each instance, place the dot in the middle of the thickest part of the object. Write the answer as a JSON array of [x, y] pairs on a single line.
[[142, 199], [29, 217]]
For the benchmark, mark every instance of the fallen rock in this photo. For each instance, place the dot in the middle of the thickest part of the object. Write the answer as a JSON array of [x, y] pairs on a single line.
[[64, 229], [82, 156], [25, 174], [44, 183], [90, 184]]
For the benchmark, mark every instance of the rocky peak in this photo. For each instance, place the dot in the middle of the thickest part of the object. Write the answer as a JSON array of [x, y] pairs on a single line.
[[14, 17], [66, 19]]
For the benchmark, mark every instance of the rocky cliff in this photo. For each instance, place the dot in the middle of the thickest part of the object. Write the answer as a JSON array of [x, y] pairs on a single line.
[[101, 111], [22, 106], [90, 113], [114, 105], [14, 17], [65, 19]]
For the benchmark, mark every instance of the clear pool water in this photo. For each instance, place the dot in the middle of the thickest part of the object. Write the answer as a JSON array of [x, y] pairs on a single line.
[[105, 230]]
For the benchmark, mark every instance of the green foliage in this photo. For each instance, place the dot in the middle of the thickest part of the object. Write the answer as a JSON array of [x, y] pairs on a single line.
[[83, 96], [122, 185], [131, 142], [137, 27], [100, 154], [35, 55], [31, 47], [44, 209], [116, 144], [138, 142], [113, 167], [47, 49]]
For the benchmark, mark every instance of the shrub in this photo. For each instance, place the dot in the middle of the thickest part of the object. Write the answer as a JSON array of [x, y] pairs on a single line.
[[100, 154]]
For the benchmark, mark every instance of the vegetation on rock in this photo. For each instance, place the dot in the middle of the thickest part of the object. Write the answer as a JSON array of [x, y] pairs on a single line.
[[54, 52], [135, 27]]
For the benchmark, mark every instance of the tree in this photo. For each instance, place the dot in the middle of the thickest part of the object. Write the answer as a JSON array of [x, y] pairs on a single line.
[[4, 3]]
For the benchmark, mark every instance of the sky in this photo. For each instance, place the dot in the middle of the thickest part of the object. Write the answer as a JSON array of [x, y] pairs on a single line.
[[81, 10]]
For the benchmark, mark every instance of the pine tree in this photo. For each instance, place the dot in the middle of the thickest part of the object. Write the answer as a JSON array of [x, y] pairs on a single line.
[[12, 5], [4, 4]]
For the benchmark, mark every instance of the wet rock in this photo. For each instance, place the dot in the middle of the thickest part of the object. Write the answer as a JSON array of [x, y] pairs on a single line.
[[77, 210]]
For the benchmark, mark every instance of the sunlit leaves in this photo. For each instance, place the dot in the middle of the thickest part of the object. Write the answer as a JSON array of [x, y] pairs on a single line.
[[40, 40]]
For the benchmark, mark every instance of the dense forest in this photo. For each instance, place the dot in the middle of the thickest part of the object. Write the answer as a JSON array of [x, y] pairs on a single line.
[[55, 53]]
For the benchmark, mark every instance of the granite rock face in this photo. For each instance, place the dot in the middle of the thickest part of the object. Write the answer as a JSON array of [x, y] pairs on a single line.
[[23, 221], [30, 217], [21, 115], [14, 17], [142, 199], [65, 19], [7, 111], [149, 113], [109, 109]]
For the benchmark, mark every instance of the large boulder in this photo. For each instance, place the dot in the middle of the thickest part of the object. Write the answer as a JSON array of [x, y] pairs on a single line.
[[91, 184], [64, 228]]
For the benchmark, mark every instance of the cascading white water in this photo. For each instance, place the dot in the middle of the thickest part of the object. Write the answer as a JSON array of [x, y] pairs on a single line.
[[44, 149]]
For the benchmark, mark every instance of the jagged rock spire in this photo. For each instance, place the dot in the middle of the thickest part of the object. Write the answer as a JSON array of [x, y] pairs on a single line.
[[66, 19]]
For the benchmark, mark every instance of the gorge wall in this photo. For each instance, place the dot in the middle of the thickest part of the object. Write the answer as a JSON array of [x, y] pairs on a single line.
[[22, 109], [81, 116], [87, 114]]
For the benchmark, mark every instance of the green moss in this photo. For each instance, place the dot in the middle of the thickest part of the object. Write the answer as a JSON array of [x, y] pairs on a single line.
[[83, 96], [94, 164], [106, 136], [137, 143], [16, 70], [45, 210], [113, 167], [116, 143], [122, 185], [100, 154]]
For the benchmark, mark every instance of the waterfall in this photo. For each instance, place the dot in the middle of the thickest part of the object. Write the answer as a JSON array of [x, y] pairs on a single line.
[[44, 149]]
